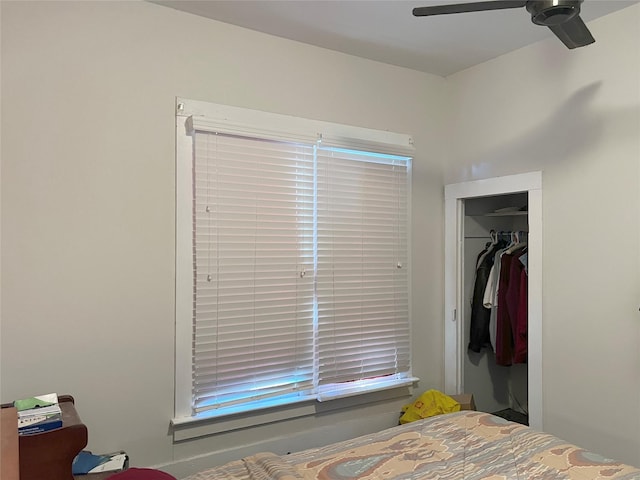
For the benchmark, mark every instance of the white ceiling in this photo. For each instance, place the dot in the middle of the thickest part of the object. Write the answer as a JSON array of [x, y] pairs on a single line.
[[386, 30]]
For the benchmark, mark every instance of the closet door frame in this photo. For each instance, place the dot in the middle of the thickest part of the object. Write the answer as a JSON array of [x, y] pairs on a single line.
[[455, 195]]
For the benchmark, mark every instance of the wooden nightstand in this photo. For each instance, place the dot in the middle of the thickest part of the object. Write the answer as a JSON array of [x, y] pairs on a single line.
[[48, 455], [9, 456]]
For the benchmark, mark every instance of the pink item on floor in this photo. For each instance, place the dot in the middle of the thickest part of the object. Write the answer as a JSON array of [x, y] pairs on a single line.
[[141, 474]]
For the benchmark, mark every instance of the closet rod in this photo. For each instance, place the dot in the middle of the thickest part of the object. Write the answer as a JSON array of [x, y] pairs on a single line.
[[489, 238]]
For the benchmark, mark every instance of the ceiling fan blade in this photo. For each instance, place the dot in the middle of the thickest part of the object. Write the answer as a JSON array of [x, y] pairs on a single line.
[[467, 7], [573, 33]]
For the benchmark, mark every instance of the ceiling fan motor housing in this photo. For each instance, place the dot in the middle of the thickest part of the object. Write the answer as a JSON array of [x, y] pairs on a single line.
[[553, 12]]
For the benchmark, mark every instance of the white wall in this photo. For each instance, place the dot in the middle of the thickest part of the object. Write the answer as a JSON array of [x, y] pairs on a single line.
[[574, 115], [88, 208], [88, 90]]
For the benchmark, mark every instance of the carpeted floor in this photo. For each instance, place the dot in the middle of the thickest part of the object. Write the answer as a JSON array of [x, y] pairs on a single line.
[[513, 416]]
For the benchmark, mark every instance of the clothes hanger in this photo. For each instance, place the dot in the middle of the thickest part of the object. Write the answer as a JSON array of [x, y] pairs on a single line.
[[517, 244]]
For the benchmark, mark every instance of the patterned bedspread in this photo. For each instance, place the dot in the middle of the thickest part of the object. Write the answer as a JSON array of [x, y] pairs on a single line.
[[466, 445]]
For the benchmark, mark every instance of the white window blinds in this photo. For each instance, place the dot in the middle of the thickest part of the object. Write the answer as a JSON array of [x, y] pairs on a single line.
[[362, 274], [253, 265], [292, 260]]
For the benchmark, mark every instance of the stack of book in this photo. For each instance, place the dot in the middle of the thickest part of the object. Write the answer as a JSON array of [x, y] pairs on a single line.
[[38, 414]]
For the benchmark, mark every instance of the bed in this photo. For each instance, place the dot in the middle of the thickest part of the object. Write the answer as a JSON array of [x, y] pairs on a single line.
[[466, 445]]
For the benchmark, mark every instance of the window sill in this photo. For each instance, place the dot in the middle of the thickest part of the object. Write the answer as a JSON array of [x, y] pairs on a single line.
[[363, 387], [194, 427]]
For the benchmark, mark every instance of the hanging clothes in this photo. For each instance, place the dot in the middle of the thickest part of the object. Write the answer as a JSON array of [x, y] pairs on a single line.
[[479, 336], [512, 308], [504, 349], [490, 299], [521, 337]]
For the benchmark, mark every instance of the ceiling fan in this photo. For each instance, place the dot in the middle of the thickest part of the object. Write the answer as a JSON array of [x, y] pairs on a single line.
[[561, 16]]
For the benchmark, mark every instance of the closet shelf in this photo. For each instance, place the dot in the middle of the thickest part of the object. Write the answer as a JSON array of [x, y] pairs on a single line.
[[505, 214]]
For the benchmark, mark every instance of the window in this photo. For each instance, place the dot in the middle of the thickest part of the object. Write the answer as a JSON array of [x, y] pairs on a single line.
[[292, 278]]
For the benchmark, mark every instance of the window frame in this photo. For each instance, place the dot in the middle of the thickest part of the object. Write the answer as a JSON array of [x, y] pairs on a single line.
[[236, 120]]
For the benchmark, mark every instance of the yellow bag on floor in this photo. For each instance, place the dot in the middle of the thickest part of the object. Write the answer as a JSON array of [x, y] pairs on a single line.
[[430, 403]]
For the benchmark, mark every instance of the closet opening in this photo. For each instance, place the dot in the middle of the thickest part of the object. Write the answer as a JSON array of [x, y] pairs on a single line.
[[495, 313], [505, 210]]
